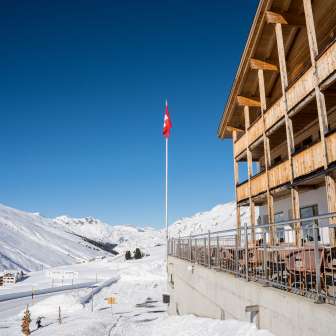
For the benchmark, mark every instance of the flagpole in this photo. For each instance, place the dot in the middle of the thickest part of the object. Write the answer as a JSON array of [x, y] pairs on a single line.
[[166, 217]]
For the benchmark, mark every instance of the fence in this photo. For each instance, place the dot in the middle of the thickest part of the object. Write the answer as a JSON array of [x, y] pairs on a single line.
[[298, 256]]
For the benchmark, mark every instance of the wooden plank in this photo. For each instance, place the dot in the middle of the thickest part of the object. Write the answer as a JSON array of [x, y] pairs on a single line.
[[308, 160], [320, 100], [279, 174], [285, 18], [240, 145], [331, 200], [262, 65], [243, 192], [236, 179], [245, 101], [331, 147], [295, 201]]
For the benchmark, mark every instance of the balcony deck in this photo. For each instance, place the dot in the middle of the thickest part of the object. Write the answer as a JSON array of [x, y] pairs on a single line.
[[326, 66], [304, 163]]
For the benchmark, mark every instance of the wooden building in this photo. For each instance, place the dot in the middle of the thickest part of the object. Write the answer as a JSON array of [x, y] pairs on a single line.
[[281, 114]]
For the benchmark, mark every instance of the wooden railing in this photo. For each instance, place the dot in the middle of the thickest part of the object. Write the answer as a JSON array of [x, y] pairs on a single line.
[[331, 147], [240, 145], [304, 163], [258, 184], [326, 65], [243, 191], [279, 174], [308, 160]]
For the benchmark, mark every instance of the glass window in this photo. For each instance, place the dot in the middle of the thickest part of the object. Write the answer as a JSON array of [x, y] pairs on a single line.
[[307, 227], [280, 230]]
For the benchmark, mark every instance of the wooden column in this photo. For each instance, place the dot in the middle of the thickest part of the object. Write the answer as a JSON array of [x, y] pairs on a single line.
[[267, 154], [236, 179], [331, 196], [321, 106], [249, 173], [295, 201], [322, 112]]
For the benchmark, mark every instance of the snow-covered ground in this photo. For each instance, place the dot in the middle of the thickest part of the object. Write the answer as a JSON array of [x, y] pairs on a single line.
[[28, 240], [139, 310]]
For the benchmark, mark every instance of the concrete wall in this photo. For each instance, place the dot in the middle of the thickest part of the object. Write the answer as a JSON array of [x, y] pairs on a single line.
[[204, 292]]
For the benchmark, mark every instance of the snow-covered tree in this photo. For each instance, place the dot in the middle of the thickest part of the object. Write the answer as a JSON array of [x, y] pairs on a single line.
[[25, 325]]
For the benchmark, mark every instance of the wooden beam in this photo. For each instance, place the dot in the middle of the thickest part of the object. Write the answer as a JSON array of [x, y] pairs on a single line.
[[320, 99], [331, 200], [245, 101], [232, 129], [236, 179], [296, 215], [249, 173], [295, 201], [262, 65], [285, 18]]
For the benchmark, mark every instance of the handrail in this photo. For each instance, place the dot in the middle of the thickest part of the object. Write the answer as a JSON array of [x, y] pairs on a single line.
[[276, 224]]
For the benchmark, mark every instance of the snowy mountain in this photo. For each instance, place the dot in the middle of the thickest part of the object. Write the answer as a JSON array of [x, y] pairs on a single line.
[[29, 241], [126, 237], [221, 217]]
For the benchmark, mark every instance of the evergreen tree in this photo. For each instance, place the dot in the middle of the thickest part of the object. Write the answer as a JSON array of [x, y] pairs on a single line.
[[128, 255], [137, 254], [25, 325]]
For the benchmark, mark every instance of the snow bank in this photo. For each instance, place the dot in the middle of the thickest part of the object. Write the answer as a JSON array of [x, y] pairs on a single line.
[[48, 308]]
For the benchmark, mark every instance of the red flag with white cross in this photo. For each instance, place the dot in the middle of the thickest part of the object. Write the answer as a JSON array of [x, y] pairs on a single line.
[[167, 124]]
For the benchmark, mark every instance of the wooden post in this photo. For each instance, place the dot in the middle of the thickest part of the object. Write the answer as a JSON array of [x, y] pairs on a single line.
[[322, 112], [267, 156], [289, 129], [249, 172], [236, 179], [331, 196]]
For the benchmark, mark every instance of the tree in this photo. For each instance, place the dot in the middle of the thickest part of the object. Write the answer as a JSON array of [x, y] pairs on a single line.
[[25, 325], [137, 254], [128, 255]]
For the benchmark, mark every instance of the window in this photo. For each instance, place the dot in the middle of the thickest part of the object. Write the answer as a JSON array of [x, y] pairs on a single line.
[[307, 227], [280, 230]]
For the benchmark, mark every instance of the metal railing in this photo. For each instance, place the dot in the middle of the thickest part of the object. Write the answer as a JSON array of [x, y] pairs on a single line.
[[298, 256]]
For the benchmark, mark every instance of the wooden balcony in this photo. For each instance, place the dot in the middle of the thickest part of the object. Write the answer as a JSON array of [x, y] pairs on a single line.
[[326, 65], [279, 175], [304, 163]]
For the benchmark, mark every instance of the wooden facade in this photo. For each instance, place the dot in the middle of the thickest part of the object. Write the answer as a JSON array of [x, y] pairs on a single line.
[[281, 112]]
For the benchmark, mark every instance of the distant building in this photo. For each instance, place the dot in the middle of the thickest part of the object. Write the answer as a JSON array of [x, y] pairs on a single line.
[[9, 277], [281, 116]]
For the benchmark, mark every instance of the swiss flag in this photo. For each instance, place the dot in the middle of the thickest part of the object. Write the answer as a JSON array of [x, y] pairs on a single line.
[[167, 124]]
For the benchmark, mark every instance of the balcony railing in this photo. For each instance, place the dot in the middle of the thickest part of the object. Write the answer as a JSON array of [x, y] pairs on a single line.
[[304, 163], [307, 268], [326, 65]]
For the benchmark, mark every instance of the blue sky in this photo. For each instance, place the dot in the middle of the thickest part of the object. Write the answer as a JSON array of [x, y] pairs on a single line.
[[82, 86]]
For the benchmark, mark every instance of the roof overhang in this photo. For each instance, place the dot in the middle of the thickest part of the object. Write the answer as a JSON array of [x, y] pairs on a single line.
[[223, 130]]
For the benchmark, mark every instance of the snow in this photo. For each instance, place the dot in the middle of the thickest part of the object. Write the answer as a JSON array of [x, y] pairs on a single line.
[[30, 242], [138, 312], [138, 285], [221, 217]]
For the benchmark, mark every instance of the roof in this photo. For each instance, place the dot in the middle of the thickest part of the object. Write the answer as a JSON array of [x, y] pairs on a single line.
[[254, 34]]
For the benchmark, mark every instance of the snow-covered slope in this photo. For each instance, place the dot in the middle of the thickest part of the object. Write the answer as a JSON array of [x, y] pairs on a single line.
[[127, 237], [29, 241], [221, 217]]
